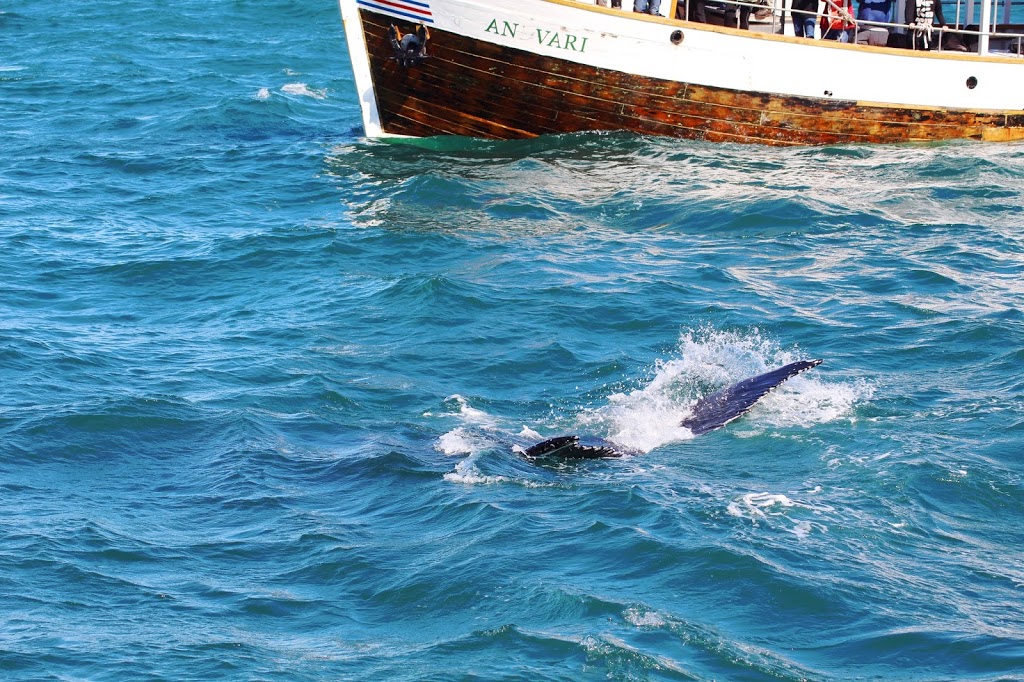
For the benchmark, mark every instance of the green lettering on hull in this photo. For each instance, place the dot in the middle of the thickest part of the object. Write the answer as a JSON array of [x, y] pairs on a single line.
[[563, 41], [545, 37], [507, 30]]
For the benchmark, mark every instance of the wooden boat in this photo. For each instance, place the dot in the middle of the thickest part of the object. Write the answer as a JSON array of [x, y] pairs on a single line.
[[520, 68]]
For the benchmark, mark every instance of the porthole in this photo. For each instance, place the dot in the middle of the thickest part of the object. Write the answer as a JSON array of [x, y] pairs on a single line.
[[676, 37], [972, 83]]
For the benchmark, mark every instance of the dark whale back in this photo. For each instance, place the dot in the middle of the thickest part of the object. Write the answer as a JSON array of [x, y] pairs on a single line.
[[570, 447]]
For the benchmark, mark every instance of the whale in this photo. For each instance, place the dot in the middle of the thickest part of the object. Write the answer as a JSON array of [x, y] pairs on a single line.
[[708, 414]]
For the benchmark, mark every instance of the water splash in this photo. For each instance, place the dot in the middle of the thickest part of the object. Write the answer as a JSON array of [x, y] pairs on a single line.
[[708, 359], [462, 441]]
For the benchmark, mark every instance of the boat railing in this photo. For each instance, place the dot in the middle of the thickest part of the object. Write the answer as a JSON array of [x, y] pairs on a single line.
[[974, 35], [970, 38]]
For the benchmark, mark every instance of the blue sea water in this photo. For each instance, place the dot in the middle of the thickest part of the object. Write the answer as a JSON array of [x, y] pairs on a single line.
[[263, 382]]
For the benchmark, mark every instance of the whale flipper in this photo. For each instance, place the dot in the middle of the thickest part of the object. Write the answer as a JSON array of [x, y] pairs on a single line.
[[710, 413], [720, 408]]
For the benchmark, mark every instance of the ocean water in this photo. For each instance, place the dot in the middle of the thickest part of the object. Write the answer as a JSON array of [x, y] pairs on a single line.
[[264, 383]]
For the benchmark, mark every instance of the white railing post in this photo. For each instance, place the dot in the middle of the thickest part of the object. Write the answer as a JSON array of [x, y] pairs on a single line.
[[985, 26]]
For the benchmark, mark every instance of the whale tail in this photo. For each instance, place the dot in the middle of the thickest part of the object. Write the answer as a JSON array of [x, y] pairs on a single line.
[[710, 413]]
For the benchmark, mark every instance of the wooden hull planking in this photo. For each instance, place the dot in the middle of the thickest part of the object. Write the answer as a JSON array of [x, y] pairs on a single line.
[[480, 89]]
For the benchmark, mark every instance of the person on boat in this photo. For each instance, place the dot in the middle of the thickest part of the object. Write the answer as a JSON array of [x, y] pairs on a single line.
[[926, 16], [697, 10], [874, 10], [647, 6], [729, 18], [837, 22], [805, 16], [694, 10]]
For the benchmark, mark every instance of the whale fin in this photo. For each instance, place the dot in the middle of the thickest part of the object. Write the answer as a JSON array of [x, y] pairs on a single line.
[[710, 413], [721, 407], [570, 447]]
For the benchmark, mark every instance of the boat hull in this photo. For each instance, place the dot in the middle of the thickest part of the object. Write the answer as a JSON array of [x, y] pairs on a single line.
[[474, 87]]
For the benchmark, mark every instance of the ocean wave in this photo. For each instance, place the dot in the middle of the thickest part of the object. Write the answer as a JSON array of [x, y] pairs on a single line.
[[267, 384]]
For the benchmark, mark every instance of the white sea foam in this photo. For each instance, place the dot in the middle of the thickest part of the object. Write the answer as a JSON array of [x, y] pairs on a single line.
[[806, 400], [460, 441], [467, 473], [640, 420], [753, 505], [263, 93], [761, 507], [472, 436], [470, 414], [468, 440], [643, 618], [530, 434], [303, 90]]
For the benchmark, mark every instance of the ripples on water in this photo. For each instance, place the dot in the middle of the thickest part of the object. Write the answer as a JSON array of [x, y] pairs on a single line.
[[263, 383]]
